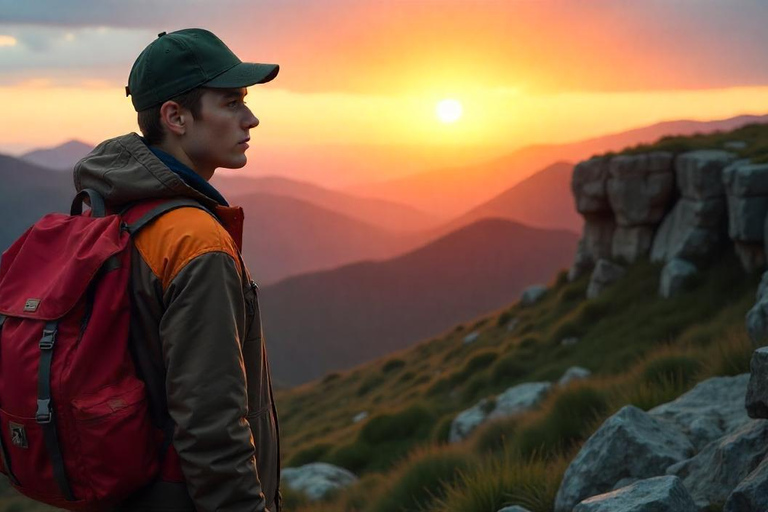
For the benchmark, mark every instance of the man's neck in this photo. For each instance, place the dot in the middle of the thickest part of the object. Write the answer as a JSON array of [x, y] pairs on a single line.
[[178, 153]]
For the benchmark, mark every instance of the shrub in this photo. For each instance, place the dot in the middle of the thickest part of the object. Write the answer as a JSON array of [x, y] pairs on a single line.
[[392, 365], [412, 423], [478, 362], [504, 319], [355, 456], [671, 367], [567, 420], [731, 355], [331, 377], [475, 387], [371, 382], [405, 377], [507, 369], [421, 478], [307, 455], [493, 436], [442, 430], [500, 482]]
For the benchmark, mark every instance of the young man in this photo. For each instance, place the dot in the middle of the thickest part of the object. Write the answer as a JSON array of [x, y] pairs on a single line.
[[195, 308]]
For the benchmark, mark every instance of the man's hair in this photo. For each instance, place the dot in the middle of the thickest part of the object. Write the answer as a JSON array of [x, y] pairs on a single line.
[[149, 119]]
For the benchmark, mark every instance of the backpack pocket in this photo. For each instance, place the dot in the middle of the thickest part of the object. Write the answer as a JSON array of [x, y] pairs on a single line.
[[27, 453], [118, 443]]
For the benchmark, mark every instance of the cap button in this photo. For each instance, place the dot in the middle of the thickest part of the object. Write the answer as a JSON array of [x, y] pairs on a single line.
[[161, 34]]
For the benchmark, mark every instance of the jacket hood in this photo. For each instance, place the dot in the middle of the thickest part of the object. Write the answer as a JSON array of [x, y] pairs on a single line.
[[123, 169]]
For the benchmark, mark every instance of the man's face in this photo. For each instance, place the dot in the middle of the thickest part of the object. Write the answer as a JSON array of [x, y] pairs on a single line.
[[218, 137]]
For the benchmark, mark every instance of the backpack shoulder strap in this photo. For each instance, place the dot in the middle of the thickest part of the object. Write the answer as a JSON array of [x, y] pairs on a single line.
[[153, 210]]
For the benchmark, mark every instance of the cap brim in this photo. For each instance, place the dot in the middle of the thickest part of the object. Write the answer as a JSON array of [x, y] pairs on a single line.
[[243, 75]]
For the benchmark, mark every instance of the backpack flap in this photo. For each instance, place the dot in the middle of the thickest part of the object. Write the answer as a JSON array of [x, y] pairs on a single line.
[[46, 271]]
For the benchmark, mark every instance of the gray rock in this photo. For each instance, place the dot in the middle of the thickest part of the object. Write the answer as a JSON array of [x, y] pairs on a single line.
[[762, 289], [588, 186], [315, 480], [751, 256], [735, 144], [533, 294], [757, 391], [700, 173], [659, 494], [751, 495], [714, 472], [674, 276], [514, 400], [569, 341], [757, 323], [632, 243], [605, 274], [468, 420], [471, 337], [693, 230], [712, 409], [640, 187], [512, 324], [624, 482], [744, 179], [514, 508], [598, 237], [582, 262], [573, 373], [746, 218], [629, 444], [360, 417], [520, 398]]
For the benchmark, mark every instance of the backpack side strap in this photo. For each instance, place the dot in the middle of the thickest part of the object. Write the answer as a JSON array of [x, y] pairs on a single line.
[[98, 208]]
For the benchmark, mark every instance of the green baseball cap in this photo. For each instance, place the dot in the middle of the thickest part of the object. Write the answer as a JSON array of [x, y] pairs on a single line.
[[180, 61]]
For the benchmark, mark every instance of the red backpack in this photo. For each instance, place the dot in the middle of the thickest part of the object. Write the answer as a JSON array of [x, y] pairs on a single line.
[[75, 424]]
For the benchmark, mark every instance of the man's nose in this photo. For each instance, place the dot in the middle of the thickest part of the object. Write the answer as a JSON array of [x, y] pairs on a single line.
[[251, 121]]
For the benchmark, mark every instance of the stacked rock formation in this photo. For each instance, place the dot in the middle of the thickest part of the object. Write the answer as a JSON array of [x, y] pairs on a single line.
[[675, 210]]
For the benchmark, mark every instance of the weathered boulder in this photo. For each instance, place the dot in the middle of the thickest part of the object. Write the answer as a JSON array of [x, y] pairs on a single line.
[[641, 187], [317, 479], [700, 173], [757, 323], [632, 243], [629, 444], [751, 255], [533, 294], [582, 262], [693, 230], [588, 184], [715, 471], [735, 144], [658, 494], [569, 341], [520, 398], [512, 324], [745, 179], [605, 274], [514, 508], [471, 337], [746, 187], [514, 400], [596, 243], [751, 495], [712, 409], [468, 420], [573, 373], [674, 276], [757, 390], [357, 418]]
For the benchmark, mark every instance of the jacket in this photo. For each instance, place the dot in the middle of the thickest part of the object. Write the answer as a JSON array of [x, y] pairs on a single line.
[[195, 310]]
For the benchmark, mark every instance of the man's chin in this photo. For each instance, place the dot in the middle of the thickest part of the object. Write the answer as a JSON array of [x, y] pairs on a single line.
[[237, 163]]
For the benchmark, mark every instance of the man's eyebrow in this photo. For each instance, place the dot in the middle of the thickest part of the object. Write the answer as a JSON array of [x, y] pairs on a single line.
[[234, 93]]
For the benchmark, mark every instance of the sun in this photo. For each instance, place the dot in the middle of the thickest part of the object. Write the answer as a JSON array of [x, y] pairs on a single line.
[[449, 111]]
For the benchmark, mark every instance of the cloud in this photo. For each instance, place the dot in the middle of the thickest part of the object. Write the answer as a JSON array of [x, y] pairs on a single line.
[[405, 46]]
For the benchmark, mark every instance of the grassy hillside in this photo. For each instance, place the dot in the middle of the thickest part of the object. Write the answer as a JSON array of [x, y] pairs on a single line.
[[642, 350]]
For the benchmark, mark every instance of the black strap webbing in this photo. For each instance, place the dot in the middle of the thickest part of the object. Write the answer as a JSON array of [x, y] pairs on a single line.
[[98, 208], [45, 417], [172, 204], [6, 458]]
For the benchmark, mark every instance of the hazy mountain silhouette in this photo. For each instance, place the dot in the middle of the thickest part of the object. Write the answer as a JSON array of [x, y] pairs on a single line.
[[285, 236], [28, 193], [452, 191], [384, 214], [318, 322], [61, 158]]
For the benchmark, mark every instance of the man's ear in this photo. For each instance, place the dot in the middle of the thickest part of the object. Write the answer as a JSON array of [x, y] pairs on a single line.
[[173, 117]]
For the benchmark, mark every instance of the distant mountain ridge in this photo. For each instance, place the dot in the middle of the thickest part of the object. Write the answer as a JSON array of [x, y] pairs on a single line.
[[452, 191], [60, 158], [330, 320]]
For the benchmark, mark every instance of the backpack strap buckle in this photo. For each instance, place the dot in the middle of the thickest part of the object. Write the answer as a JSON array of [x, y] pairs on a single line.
[[48, 339], [43, 414]]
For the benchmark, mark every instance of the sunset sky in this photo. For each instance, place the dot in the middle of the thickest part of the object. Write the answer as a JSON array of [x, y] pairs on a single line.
[[369, 74]]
